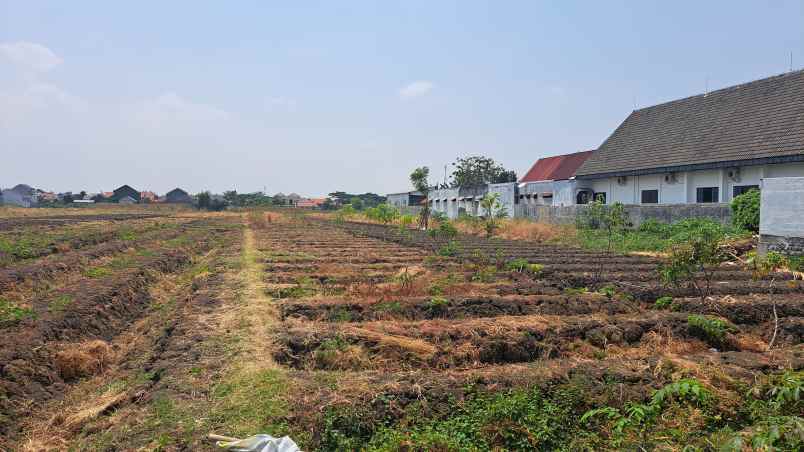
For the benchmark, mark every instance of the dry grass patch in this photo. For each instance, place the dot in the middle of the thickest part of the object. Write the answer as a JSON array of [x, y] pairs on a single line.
[[84, 359]]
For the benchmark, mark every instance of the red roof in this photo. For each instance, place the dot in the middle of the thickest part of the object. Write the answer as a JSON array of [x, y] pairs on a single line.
[[558, 167], [310, 202]]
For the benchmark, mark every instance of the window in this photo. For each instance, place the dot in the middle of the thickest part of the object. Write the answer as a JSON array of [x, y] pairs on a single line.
[[600, 197], [582, 197], [650, 196], [707, 194], [740, 189]]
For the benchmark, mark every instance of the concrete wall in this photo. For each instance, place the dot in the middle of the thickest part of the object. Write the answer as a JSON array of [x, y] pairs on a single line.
[[636, 213], [508, 196], [781, 217]]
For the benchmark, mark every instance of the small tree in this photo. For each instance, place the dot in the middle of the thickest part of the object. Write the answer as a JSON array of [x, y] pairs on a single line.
[[745, 210], [614, 221], [418, 178], [695, 262], [493, 210], [204, 199]]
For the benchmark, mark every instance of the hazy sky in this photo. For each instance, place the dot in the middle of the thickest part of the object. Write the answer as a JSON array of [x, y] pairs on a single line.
[[312, 97]]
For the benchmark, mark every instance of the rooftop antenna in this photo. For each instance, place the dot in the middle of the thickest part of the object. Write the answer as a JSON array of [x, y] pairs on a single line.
[[445, 175], [634, 99], [706, 86]]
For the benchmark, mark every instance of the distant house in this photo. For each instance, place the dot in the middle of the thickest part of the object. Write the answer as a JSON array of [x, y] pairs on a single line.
[[404, 199], [310, 203], [148, 196], [178, 196], [551, 181], [123, 192], [21, 195], [127, 200], [83, 201], [48, 196]]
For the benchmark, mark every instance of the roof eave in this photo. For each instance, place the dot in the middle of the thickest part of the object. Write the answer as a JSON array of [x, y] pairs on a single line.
[[696, 166]]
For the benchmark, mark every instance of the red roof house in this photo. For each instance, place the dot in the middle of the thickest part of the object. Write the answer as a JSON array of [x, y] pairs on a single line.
[[310, 202], [559, 167]]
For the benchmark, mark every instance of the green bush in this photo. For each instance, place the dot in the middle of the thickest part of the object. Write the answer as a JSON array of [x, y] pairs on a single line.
[[710, 329], [745, 210], [663, 302], [10, 313]]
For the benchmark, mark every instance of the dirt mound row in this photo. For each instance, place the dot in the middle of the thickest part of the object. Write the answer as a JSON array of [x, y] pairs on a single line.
[[423, 308], [99, 309]]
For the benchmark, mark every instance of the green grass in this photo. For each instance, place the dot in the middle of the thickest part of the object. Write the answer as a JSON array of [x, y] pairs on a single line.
[[60, 303], [10, 313], [653, 236], [97, 272]]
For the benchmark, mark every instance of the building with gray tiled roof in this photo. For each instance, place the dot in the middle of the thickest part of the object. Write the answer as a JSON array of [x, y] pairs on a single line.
[[705, 148]]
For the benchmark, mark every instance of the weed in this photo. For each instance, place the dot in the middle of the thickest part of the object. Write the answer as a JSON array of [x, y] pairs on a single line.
[[451, 249], [609, 291], [437, 305], [97, 272], [665, 302], [341, 315], [506, 420], [10, 313], [60, 303], [485, 274], [636, 419], [710, 329], [576, 290], [388, 306]]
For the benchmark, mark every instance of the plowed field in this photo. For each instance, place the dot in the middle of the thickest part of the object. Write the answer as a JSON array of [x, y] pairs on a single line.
[[358, 336]]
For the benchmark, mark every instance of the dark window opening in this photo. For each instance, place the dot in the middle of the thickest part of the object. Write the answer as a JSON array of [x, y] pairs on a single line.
[[740, 189], [708, 194], [600, 197], [582, 198], [650, 196]]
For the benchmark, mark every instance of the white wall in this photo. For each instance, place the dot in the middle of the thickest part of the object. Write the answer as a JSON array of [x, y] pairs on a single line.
[[673, 193], [684, 190], [785, 170], [782, 207], [702, 179]]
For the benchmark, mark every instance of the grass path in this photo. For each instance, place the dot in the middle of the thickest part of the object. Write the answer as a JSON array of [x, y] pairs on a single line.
[[258, 310]]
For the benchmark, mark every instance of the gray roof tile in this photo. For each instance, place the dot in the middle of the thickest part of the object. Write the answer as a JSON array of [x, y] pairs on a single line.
[[763, 118]]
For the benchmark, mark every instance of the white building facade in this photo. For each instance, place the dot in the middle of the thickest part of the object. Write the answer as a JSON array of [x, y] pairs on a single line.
[[702, 149]]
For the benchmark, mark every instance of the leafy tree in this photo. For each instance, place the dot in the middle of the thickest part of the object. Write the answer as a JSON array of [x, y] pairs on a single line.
[[328, 204], [357, 203], [695, 261], [418, 178], [367, 200], [231, 197], [745, 210], [493, 211], [477, 170], [204, 200]]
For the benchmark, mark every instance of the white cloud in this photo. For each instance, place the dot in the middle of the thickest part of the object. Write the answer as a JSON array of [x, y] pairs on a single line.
[[30, 56], [416, 89], [170, 107]]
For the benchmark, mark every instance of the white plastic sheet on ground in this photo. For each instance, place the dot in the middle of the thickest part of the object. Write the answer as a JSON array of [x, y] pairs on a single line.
[[261, 443]]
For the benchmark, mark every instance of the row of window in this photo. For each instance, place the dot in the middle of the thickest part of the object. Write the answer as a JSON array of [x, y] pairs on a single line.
[[702, 194]]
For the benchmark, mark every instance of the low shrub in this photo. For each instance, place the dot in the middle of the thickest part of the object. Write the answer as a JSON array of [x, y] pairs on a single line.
[[712, 330], [745, 210], [10, 313], [665, 302], [437, 305]]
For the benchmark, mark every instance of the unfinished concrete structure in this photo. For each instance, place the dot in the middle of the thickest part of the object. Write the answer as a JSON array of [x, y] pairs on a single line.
[[781, 217]]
